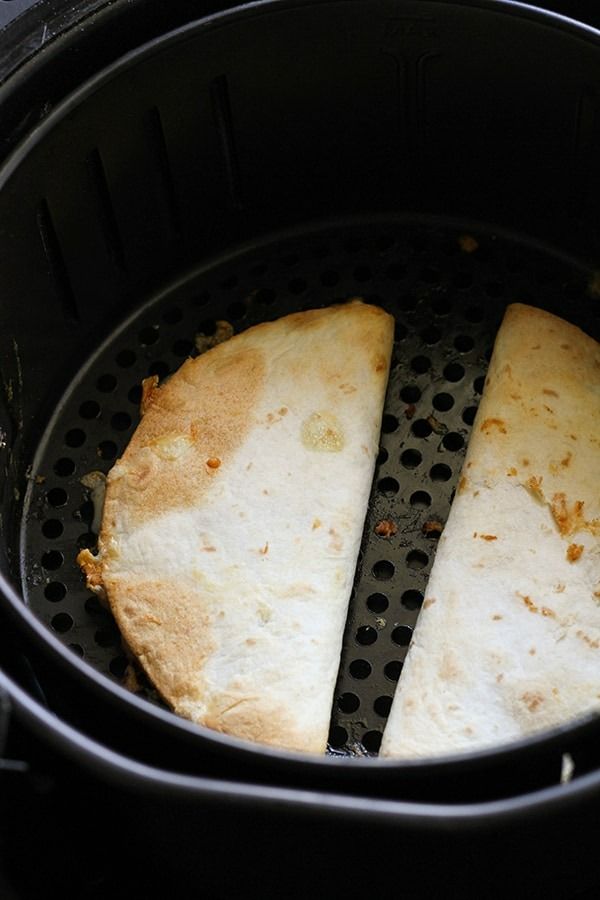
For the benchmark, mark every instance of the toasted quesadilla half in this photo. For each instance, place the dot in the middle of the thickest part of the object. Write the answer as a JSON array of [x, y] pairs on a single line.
[[508, 639], [232, 523]]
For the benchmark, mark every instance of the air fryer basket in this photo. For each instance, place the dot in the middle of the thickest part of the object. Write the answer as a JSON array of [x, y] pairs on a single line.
[[439, 159]]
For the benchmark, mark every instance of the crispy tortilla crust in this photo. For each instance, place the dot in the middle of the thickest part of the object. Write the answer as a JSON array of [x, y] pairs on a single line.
[[508, 641], [227, 592]]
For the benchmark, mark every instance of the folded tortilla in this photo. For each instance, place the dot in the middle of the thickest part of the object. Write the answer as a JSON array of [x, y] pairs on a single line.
[[232, 523], [508, 639]]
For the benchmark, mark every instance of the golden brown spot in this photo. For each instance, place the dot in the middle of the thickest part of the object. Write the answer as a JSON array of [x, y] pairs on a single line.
[[549, 613], [515, 397], [208, 548], [462, 484], [570, 519], [500, 677], [525, 461], [559, 589], [566, 461], [573, 437], [316, 524], [321, 431], [213, 462], [549, 392], [528, 602], [264, 550], [565, 346], [283, 411], [574, 552], [380, 363], [149, 389], [145, 604], [512, 471], [532, 700], [594, 644], [497, 617], [468, 731], [429, 601], [548, 409], [386, 528], [348, 388], [532, 651], [536, 347], [535, 487], [488, 537], [228, 380], [493, 423], [251, 642]]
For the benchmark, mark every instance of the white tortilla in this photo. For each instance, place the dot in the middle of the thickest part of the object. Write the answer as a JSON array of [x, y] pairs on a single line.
[[232, 523], [508, 639]]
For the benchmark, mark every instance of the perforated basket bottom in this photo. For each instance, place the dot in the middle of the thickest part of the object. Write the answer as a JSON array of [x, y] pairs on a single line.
[[446, 284]]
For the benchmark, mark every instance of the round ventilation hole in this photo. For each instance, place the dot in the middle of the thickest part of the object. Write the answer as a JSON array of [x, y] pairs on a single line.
[[377, 603], [402, 635], [382, 706], [412, 599], [393, 669], [371, 741], [365, 636], [360, 669], [383, 570], [348, 703]]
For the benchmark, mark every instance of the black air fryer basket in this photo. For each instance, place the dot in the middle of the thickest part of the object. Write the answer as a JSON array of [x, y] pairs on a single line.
[[166, 169]]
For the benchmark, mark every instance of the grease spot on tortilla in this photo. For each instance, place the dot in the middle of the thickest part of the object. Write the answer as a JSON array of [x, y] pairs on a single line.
[[321, 431], [171, 446]]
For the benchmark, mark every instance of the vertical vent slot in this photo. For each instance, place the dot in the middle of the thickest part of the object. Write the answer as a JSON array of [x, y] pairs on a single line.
[[219, 94], [56, 262], [106, 210], [155, 137]]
